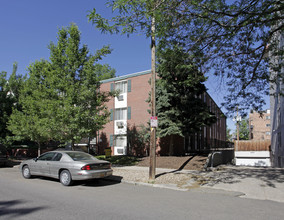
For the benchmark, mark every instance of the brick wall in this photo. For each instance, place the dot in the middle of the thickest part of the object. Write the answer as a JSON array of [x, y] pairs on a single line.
[[137, 97], [259, 125]]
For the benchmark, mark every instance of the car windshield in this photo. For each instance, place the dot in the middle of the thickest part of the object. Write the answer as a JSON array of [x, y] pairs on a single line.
[[78, 156]]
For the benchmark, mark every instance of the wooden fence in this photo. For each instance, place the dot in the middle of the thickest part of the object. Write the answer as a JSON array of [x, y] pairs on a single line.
[[251, 145]]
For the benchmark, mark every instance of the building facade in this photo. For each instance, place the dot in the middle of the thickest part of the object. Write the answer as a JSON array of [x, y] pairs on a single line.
[[129, 114], [259, 125]]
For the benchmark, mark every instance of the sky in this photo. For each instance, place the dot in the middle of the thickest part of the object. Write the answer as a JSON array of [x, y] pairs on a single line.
[[28, 27]]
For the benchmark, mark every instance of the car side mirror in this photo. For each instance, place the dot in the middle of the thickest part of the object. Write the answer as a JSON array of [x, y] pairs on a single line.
[[35, 159]]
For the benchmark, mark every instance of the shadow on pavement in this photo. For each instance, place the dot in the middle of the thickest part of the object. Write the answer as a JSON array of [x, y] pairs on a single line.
[[90, 183], [179, 169], [10, 164], [269, 176], [113, 180], [10, 209]]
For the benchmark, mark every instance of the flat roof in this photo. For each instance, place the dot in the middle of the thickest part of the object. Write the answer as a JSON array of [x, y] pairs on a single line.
[[126, 76]]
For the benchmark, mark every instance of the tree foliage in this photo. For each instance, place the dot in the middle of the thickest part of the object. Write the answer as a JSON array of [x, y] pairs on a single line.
[[229, 134], [233, 40], [9, 95], [244, 129], [230, 38], [138, 140], [61, 98], [180, 109], [133, 17]]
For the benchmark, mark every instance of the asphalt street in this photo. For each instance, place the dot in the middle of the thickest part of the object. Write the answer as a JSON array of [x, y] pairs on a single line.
[[42, 198]]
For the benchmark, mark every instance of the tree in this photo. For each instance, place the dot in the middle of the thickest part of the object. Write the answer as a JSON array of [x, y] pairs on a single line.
[[104, 71], [61, 99], [230, 38], [9, 95], [34, 120], [244, 129], [179, 107], [229, 134], [138, 140]]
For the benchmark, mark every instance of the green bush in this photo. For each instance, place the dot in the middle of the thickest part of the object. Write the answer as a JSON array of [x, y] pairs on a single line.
[[120, 160]]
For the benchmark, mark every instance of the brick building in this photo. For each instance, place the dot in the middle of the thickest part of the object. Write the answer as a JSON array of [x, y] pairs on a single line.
[[129, 111], [259, 125]]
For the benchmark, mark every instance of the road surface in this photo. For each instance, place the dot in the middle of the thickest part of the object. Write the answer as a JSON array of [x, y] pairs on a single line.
[[42, 198]]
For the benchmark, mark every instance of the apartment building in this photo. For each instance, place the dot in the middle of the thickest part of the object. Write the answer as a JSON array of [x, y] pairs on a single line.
[[259, 125], [130, 111]]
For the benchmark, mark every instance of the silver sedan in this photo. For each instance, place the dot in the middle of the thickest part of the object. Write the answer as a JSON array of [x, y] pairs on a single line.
[[66, 166]]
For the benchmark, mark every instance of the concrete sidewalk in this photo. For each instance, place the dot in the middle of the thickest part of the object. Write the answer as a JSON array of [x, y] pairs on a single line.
[[248, 182]]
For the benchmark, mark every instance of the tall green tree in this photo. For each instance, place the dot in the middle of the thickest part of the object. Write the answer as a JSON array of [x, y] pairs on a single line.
[[9, 95], [61, 99], [180, 109], [34, 121], [244, 129]]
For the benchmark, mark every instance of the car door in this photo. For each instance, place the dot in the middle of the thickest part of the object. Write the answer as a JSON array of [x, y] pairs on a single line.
[[43, 162], [55, 165]]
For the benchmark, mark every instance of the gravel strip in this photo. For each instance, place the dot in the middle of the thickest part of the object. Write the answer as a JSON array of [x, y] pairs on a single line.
[[176, 178], [185, 179]]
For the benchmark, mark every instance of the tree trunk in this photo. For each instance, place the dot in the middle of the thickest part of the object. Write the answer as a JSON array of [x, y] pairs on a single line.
[[72, 145], [38, 149]]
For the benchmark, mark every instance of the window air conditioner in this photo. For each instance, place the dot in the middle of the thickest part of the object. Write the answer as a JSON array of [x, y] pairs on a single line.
[[120, 98], [119, 150], [119, 124]]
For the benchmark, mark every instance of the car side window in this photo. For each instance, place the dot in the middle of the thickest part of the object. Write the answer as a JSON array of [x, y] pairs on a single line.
[[47, 156], [57, 157]]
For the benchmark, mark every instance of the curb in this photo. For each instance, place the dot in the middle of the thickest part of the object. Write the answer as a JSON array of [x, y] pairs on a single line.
[[162, 186], [201, 189]]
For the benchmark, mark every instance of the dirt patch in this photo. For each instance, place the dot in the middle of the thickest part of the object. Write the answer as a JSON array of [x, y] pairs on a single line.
[[177, 163]]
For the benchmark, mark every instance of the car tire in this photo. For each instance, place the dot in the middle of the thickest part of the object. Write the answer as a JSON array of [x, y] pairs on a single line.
[[26, 172], [65, 178]]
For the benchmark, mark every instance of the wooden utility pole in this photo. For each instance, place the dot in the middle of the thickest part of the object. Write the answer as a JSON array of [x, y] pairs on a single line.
[[152, 169]]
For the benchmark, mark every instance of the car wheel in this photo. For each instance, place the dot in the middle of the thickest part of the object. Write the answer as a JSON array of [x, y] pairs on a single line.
[[26, 172], [65, 178]]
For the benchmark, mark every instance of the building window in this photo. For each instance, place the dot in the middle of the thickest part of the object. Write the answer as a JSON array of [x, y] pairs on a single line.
[[267, 117], [120, 114], [121, 86], [267, 125], [267, 133]]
